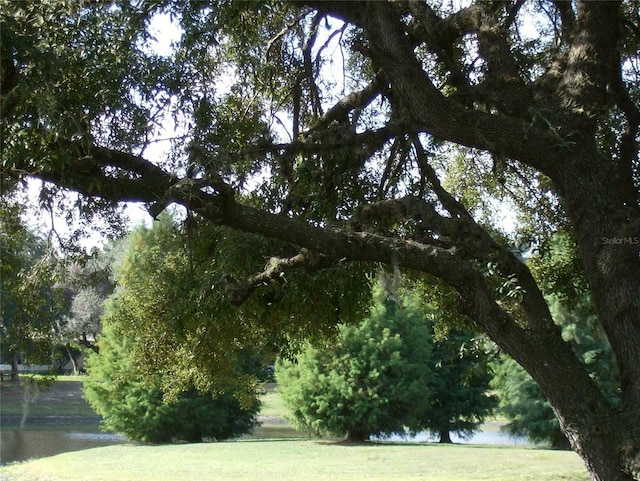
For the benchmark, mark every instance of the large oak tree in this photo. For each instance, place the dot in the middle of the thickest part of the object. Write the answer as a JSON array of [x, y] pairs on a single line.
[[333, 128]]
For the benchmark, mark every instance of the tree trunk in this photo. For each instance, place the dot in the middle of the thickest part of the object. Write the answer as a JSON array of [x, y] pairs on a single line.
[[595, 429], [15, 374], [445, 436], [355, 436], [603, 436], [607, 228], [72, 359]]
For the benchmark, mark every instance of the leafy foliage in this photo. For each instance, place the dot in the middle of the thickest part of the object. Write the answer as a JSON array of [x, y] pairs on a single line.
[[31, 302], [178, 290], [460, 401], [386, 375], [135, 406], [147, 380]]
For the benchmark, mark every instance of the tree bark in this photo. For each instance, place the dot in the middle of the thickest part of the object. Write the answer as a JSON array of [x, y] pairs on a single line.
[[445, 436], [15, 373], [607, 228]]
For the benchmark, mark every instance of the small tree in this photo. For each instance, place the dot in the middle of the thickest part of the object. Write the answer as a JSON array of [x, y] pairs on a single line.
[[459, 399], [384, 376], [133, 376], [135, 406]]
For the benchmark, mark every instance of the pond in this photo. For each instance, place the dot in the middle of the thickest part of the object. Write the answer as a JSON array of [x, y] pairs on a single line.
[[22, 444], [75, 426]]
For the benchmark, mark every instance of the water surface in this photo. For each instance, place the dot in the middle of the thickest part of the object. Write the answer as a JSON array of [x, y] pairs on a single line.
[[24, 444]]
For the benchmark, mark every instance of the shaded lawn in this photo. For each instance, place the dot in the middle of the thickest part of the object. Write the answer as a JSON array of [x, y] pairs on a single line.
[[302, 460]]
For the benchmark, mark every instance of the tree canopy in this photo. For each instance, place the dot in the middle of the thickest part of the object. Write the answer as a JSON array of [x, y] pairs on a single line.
[[345, 134], [138, 378]]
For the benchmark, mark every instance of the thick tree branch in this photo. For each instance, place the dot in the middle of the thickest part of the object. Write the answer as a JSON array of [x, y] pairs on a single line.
[[628, 151], [468, 240], [503, 75], [340, 111], [427, 27], [110, 174], [567, 20], [532, 139], [585, 79], [534, 143]]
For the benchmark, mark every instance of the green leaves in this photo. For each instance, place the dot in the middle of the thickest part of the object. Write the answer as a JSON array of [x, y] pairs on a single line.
[[86, 79], [386, 375], [32, 303], [135, 406], [558, 268]]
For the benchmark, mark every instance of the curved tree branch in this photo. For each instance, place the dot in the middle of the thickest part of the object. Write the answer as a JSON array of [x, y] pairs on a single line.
[[534, 143], [340, 111]]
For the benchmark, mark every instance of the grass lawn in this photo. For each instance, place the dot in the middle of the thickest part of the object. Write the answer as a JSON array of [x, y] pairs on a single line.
[[302, 460], [272, 403]]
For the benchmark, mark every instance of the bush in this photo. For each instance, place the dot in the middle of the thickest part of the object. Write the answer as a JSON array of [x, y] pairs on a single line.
[[136, 408]]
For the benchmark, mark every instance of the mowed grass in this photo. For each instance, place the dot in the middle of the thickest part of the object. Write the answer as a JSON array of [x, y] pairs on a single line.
[[272, 403], [302, 460]]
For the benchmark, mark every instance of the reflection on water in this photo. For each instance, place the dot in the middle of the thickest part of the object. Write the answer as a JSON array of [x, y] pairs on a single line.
[[20, 445], [481, 437]]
